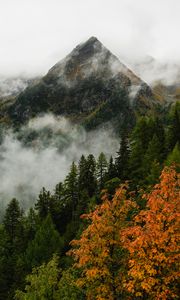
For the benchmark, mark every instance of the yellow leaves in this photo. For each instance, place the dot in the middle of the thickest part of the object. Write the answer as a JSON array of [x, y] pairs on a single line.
[[138, 294], [92, 273]]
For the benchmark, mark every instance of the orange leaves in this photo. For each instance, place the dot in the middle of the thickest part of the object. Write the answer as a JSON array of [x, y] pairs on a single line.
[[149, 269], [98, 252], [154, 244]]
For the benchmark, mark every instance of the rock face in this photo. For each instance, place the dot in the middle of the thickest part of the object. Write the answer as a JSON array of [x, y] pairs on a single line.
[[89, 85]]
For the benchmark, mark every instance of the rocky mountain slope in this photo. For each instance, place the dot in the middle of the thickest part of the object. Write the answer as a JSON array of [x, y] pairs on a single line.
[[90, 85]]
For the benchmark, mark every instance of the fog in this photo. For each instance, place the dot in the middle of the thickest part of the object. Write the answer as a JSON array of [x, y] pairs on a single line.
[[12, 86], [153, 71], [35, 34], [26, 168]]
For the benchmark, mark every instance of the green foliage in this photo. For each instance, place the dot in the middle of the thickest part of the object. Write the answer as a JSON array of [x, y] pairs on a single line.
[[12, 221], [47, 241], [111, 171], [173, 134], [42, 283], [43, 203], [71, 189], [67, 288], [116, 103], [174, 157], [122, 158]]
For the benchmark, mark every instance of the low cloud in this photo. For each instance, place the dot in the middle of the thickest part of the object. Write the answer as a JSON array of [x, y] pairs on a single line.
[[12, 86], [26, 168], [153, 71]]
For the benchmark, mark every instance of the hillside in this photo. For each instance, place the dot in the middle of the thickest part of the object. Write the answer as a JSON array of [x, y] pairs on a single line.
[[90, 85]]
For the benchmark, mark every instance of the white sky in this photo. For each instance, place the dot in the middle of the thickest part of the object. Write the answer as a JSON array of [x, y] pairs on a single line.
[[35, 34]]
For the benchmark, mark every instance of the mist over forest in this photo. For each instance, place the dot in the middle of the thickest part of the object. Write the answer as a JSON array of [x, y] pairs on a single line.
[[89, 150], [41, 152]]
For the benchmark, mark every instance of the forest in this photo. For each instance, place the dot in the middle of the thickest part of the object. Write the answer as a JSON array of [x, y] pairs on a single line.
[[109, 231]]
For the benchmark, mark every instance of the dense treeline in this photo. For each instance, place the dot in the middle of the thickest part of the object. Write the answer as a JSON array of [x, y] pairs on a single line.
[[106, 240]]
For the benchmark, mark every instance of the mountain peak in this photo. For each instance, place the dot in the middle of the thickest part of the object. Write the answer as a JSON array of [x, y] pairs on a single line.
[[90, 58], [92, 39], [80, 83], [88, 48]]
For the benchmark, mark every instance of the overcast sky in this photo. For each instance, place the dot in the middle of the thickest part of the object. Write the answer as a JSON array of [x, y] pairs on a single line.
[[35, 34]]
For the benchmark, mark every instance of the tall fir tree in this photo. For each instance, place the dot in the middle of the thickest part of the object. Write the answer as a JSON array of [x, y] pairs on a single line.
[[111, 171], [47, 241], [101, 170], [43, 203], [122, 158]]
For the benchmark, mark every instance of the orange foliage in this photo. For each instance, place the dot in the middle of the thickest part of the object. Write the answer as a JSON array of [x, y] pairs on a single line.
[[153, 243], [99, 253]]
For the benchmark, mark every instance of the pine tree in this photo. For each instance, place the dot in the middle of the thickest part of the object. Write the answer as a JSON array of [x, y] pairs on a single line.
[[101, 169], [43, 203], [140, 138], [122, 158], [14, 245], [152, 154], [87, 175], [31, 224], [91, 180], [174, 157], [82, 174], [47, 241], [13, 221], [111, 172], [173, 134], [71, 189]]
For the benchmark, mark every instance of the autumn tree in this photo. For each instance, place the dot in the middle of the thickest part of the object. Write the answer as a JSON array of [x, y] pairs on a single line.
[[153, 243], [98, 253]]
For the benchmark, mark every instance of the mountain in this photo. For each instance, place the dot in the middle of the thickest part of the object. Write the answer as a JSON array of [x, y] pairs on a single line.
[[90, 85]]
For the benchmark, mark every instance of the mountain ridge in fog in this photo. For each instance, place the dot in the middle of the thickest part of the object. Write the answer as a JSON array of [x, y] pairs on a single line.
[[89, 85]]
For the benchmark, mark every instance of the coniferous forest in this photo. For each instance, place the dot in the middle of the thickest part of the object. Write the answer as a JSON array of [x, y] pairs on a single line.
[[108, 231]]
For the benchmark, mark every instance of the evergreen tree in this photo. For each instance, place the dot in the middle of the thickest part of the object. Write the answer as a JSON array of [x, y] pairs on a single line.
[[59, 191], [122, 159], [47, 241], [174, 157], [101, 169], [43, 203], [139, 142], [71, 188], [87, 175], [31, 223], [160, 133], [5, 267], [152, 154], [111, 172], [82, 170], [91, 181], [12, 220], [14, 244], [173, 134]]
